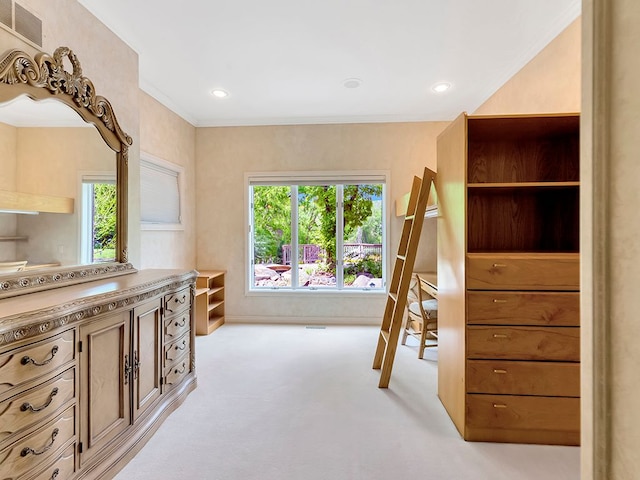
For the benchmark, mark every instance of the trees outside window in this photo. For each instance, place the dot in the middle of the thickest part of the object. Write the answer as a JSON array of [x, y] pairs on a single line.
[[317, 235]]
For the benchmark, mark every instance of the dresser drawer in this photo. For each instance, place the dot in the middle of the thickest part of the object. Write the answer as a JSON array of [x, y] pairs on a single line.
[[174, 350], [173, 375], [61, 468], [38, 359], [530, 271], [523, 308], [36, 404], [176, 302], [552, 379], [176, 325], [523, 419], [524, 343], [37, 448]]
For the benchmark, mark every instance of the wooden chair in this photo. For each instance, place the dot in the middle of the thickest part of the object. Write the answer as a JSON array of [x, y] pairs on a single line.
[[6, 267], [422, 317]]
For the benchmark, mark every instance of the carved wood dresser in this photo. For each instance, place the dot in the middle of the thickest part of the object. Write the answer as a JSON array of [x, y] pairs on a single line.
[[88, 372]]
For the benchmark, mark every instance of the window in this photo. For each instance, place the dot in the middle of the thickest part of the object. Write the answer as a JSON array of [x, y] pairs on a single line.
[[160, 194], [317, 231], [98, 218]]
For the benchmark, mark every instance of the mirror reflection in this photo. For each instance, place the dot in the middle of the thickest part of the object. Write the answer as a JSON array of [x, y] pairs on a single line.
[[57, 188]]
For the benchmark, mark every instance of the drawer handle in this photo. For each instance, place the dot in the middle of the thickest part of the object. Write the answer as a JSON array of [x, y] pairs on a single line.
[[181, 302], [55, 474], [27, 406], [499, 300], [184, 345], [499, 265], [28, 450], [183, 323], [499, 405], [500, 335], [26, 360], [499, 370], [184, 367]]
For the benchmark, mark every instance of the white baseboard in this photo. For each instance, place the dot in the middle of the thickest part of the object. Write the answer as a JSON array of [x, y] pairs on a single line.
[[296, 320]]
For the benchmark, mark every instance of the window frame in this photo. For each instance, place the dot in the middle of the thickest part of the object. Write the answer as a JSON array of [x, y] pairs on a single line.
[[296, 178], [149, 161], [85, 215]]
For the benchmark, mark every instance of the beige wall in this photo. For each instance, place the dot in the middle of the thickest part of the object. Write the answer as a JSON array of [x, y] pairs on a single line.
[[224, 155], [550, 82], [8, 136], [166, 136]]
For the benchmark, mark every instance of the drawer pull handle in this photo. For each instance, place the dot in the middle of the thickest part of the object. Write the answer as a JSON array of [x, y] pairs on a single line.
[[499, 405], [55, 474], [26, 360], [28, 450], [499, 265], [27, 406], [184, 345], [183, 323], [181, 302], [184, 367], [500, 335], [499, 300], [499, 370]]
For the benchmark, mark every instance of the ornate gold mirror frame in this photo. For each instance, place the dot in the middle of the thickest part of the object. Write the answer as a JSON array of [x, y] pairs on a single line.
[[44, 77]]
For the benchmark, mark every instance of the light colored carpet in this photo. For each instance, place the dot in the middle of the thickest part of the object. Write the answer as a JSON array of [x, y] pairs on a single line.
[[285, 402]]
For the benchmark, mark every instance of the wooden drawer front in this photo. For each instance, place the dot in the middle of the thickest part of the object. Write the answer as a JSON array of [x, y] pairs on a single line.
[[524, 308], [524, 343], [176, 302], [61, 468], [174, 350], [523, 272], [23, 364], [552, 379], [36, 404], [523, 419], [176, 325], [175, 374], [38, 447]]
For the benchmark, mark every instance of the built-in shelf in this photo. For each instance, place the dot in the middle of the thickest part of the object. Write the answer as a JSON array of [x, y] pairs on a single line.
[[209, 301]]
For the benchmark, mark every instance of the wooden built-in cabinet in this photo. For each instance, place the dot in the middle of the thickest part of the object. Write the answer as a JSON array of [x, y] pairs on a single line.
[[508, 277], [90, 371], [209, 301]]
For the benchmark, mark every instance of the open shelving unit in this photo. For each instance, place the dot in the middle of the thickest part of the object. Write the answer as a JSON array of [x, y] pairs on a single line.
[[209, 301], [508, 310]]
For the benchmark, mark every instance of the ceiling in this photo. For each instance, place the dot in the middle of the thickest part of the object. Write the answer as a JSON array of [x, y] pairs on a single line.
[[286, 61]]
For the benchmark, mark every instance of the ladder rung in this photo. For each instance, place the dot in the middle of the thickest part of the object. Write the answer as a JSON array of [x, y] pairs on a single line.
[[402, 257], [409, 217], [394, 296], [385, 335]]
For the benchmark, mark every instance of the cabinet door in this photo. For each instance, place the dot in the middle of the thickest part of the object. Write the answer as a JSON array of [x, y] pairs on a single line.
[[105, 385], [147, 360]]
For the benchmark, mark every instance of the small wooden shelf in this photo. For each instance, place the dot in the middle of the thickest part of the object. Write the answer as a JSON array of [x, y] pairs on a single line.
[[209, 301]]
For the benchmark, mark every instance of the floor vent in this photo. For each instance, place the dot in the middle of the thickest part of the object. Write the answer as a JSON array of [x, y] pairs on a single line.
[[315, 327], [22, 21]]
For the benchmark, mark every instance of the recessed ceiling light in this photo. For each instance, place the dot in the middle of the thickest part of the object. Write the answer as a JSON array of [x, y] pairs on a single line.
[[352, 83], [219, 93], [441, 87]]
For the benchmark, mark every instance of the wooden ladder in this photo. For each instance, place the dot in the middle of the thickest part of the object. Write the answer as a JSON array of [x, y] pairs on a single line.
[[401, 277]]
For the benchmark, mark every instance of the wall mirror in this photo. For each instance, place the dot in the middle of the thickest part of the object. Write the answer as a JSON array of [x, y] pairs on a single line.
[[63, 188]]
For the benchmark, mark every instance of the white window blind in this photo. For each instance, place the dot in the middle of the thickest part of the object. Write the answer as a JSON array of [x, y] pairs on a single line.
[[159, 193]]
